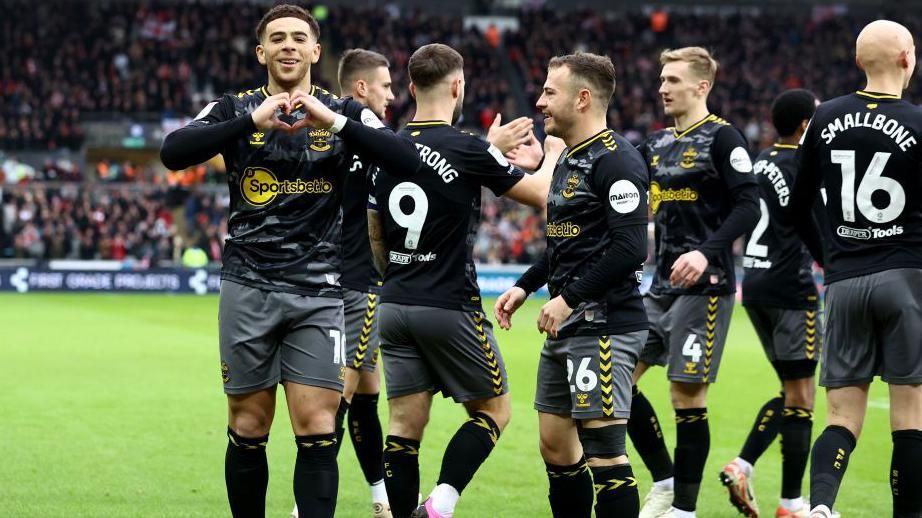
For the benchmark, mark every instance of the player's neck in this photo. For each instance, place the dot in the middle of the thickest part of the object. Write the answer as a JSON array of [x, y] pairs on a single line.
[[275, 88], [788, 141], [433, 111], [885, 85], [580, 133], [685, 120]]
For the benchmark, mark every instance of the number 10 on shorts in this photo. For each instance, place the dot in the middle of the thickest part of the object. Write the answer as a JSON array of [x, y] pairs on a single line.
[[339, 352]]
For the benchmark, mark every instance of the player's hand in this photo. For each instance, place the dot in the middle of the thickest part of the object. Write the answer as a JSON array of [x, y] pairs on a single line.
[[266, 116], [316, 114], [507, 304], [552, 315], [527, 155], [510, 135], [688, 268]]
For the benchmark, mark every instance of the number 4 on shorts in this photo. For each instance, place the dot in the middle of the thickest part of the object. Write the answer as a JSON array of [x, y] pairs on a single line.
[[692, 348]]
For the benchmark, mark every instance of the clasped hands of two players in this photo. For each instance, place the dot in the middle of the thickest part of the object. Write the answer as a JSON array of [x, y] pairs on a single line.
[[316, 114]]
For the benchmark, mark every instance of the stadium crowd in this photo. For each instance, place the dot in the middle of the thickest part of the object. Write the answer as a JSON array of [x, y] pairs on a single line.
[[170, 58]]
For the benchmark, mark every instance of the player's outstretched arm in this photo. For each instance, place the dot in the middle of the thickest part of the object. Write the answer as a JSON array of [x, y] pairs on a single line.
[[362, 130], [509, 136], [215, 127], [376, 238], [533, 189]]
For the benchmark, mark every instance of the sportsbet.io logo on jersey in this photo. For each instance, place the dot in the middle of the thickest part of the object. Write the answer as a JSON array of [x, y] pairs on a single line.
[[658, 195], [259, 186]]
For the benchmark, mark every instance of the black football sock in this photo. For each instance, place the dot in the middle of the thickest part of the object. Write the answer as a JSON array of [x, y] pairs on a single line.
[[246, 474], [365, 430], [467, 450], [401, 474], [764, 430], [570, 490], [316, 480], [644, 430], [615, 492], [827, 467], [693, 442], [906, 474], [796, 428], [340, 417]]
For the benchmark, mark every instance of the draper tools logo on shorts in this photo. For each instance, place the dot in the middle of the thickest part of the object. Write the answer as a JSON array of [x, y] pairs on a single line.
[[259, 186]]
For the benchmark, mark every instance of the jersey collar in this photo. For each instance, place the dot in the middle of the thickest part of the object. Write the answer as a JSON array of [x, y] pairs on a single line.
[[582, 145], [878, 96], [420, 124], [693, 127], [785, 146]]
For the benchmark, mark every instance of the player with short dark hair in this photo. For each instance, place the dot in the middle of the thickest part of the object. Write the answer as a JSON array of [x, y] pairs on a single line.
[[781, 299], [595, 321], [703, 196], [863, 148], [280, 311], [434, 336]]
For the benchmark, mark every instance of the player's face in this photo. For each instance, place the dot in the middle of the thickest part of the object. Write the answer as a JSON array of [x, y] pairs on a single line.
[[379, 91], [459, 105], [288, 50], [557, 101], [680, 88]]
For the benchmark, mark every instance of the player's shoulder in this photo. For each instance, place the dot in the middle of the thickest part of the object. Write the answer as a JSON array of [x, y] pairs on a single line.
[[258, 93], [781, 155], [717, 121], [326, 96], [612, 151]]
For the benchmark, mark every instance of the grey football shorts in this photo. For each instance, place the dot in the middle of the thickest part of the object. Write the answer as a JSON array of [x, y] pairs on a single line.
[[267, 337], [874, 327], [360, 311], [440, 350], [588, 377], [687, 334], [787, 334]]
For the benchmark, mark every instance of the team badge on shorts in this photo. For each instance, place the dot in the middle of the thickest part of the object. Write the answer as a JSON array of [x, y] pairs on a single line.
[[225, 372]]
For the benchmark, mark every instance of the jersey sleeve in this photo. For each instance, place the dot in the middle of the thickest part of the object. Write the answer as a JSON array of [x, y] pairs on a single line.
[[620, 181], [206, 136], [536, 276], [732, 161], [803, 194], [373, 141], [487, 163]]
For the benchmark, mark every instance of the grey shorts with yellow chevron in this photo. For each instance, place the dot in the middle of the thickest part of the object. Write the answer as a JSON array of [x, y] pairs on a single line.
[[588, 377], [787, 334], [687, 333], [359, 309], [440, 350]]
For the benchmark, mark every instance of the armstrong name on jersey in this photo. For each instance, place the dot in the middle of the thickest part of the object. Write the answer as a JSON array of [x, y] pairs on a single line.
[[431, 219]]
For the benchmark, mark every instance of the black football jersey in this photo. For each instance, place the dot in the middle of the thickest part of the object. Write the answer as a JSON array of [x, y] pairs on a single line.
[[359, 273], [431, 218], [778, 269], [598, 186], [692, 174], [285, 224], [864, 149]]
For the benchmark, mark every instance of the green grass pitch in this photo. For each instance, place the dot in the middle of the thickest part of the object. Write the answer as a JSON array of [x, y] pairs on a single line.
[[111, 406]]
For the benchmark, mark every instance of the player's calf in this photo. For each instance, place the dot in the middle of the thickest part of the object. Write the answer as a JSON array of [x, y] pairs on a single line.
[[613, 479]]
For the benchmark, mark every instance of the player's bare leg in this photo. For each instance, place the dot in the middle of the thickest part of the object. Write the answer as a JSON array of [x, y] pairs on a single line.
[[246, 470], [316, 474]]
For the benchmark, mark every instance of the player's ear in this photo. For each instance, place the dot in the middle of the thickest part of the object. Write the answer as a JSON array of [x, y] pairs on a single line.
[[261, 54], [412, 90], [583, 99], [704, 86], [361, 87], [315, 53], [456, 88]]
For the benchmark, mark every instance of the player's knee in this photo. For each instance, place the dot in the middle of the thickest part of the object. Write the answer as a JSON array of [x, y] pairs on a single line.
[[250, 424], [688, 395], [558, 450], [498, 408], [800, 393], [407, 420], [605, 445]]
